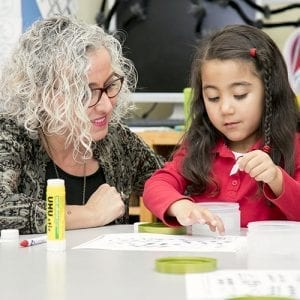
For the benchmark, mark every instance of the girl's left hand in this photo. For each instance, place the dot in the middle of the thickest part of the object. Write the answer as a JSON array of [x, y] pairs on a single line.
[[260, 166]]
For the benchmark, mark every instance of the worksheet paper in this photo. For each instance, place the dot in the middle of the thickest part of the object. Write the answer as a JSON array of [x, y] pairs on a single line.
[[224, 284], [164, 242]]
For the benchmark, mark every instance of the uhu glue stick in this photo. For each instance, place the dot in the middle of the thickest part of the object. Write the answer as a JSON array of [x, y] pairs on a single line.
[[56, 209]]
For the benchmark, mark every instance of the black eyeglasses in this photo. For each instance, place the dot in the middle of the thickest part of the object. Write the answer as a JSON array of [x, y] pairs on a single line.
[[112, 89]]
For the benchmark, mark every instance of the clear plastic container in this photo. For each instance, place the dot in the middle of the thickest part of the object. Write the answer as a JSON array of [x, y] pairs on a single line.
[[273, 245], [229, 213]]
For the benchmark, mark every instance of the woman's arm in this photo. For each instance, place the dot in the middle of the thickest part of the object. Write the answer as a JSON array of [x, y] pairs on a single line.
[[17, 209]]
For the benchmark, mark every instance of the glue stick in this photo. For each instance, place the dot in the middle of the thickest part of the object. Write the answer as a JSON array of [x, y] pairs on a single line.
[[56, 209]]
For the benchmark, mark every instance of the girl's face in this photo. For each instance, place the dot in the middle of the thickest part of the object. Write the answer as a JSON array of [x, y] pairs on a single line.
[[234, 100], [100, 75]]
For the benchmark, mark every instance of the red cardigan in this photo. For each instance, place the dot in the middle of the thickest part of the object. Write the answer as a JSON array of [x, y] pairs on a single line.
[[167, 185]]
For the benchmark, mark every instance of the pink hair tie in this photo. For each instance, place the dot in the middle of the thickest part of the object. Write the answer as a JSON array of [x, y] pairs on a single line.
[[266, 149], [253, 52]]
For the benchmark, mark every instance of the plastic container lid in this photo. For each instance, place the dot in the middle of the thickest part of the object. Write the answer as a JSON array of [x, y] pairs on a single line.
[[218, 207], [273, 226], [160, 228], [260, 298], [9, 235], [185, 264]]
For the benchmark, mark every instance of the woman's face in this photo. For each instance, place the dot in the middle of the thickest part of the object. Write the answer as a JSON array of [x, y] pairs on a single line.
[[100, 75]]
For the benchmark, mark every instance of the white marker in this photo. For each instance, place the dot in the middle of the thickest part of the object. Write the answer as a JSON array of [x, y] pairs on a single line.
[[34, 241]]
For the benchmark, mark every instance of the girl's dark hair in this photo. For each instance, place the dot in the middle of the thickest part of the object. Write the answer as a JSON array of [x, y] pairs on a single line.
[[280, 116]]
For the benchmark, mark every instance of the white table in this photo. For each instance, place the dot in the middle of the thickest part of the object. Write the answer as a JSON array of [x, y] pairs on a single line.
[[31, 273]]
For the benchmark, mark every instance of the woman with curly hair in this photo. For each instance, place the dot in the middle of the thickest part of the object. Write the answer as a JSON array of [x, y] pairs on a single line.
[[65, 90]]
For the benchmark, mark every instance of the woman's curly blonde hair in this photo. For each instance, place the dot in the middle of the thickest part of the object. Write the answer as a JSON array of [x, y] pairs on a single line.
[[50, 64]]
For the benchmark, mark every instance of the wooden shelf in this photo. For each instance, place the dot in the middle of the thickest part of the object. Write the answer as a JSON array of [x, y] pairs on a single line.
[[161, 138], [163, 143], [134, 210]]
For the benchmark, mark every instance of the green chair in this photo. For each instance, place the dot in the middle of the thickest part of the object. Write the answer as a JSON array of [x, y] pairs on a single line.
[[187, 94]]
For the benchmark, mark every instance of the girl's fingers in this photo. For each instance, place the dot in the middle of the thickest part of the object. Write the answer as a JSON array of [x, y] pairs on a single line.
[[204, 216], [220, 225], [201, 215], [209, 217]]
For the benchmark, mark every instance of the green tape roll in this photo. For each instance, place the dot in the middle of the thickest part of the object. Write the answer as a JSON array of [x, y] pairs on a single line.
[[160, 228], [185, 264]]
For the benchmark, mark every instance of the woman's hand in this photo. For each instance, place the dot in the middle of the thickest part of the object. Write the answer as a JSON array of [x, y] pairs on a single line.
[[189, 213], [260, 166], [105, 204]]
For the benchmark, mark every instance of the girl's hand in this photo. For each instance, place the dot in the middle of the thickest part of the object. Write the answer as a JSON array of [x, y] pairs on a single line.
[[260, 166], [189, 213]]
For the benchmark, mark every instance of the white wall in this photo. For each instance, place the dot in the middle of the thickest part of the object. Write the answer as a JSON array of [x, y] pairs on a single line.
[[88, 10], [280, 34]]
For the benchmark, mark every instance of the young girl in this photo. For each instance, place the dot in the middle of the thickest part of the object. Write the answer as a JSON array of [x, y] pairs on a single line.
[[242, 145]]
